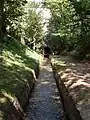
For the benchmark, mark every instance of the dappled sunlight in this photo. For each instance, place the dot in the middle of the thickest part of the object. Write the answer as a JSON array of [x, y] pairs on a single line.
[[17, 72], [44, 83], [8, 102], [64, 76], [45, 100], [10, 60], [58, 62], [80, 82], [47, 83], [76, 77], [34, 55], [48, 69], [47, 75], [56, 99], [6, 96], [2, 98]]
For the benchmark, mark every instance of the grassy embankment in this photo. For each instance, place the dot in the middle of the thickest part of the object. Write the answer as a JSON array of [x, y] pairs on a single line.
[[18, 64]]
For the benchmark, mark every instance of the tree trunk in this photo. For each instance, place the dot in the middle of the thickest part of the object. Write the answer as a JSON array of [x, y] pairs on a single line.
[[1, 19]]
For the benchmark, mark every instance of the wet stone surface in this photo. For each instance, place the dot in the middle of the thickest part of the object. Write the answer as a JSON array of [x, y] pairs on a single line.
[[44, 103]]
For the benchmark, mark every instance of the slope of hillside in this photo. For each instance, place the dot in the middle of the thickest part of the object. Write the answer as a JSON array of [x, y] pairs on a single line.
[[18, 67]]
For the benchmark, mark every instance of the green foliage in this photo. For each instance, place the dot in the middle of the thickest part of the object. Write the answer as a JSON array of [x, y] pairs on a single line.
[[61, 22], [21, 20], [70, 19], [13, 12], [33, 26]]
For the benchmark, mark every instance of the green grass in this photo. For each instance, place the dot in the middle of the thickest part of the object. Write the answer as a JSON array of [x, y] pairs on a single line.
[[17, 62]]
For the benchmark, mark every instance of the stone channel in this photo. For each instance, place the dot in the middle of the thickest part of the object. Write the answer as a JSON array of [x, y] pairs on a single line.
[[45, 103]]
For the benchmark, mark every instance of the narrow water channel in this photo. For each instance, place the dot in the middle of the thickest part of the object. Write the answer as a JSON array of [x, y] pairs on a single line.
[[44, 103]]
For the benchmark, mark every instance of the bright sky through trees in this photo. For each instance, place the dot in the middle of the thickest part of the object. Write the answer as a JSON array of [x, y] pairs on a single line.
[[45, 14], [35, 0]]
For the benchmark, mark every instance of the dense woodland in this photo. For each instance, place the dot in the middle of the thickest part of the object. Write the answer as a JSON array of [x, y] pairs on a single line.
[[68, 28], [19, 20]]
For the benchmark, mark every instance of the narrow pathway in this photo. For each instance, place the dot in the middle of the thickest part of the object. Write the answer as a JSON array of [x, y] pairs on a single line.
[[44, 103]]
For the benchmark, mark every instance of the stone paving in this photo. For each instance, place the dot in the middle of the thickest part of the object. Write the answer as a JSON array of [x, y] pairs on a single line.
[[44, 103]]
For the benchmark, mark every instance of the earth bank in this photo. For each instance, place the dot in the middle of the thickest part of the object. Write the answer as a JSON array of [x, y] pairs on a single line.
[[75, 76]]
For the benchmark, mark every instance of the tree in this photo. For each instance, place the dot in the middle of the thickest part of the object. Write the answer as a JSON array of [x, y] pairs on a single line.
[[71, 21], [82, 9], [33, 26], [61, 23], [1, 19], [13, 12]]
